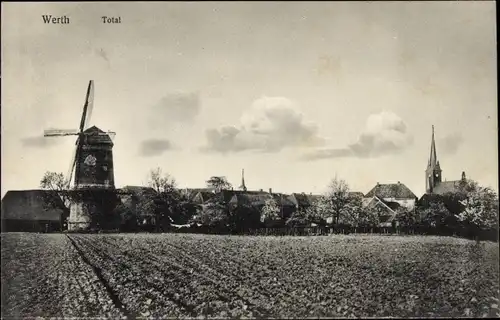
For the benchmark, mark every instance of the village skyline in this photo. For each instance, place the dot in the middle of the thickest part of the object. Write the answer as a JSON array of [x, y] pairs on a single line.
[[277, 89]]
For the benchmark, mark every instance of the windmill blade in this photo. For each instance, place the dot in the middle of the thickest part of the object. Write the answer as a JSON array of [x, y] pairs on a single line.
[[59, 132], [88, 106], [73, 163]]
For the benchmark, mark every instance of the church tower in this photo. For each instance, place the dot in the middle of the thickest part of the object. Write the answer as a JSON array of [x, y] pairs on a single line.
[[433, 172]]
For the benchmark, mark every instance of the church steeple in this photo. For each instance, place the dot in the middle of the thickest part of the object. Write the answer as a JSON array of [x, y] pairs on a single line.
[[433, 172], [433, 156], [243, 187]]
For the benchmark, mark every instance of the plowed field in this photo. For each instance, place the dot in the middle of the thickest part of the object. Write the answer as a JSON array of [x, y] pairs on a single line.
[[198, 276]]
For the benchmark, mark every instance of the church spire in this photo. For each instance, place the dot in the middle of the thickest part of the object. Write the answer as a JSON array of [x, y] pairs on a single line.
[[243, 187], [433, 172], [433, 157]]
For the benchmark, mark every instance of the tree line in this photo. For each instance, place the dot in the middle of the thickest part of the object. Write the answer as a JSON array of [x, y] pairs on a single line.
[[470, 211]]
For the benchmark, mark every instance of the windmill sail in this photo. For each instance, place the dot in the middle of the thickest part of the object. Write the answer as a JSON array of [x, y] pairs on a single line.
[[72, 167], [90, 105], [87, 107], [59, 132]]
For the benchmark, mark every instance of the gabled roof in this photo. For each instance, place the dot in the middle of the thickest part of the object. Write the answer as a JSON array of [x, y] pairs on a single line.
[[191, 191], [447, 186], [136, 192], [356, 194], [283, 200], [32, 205], [253, 198], [387, 214], [200, 196], [391, 204], [392, 190], [375, 201], [304, 200]]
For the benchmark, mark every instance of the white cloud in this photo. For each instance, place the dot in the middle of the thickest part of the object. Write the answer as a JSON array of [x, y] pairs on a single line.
[[271, 124], [384, 133]]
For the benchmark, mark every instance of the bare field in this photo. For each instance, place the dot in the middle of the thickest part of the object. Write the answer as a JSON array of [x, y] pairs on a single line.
[[198, 276]]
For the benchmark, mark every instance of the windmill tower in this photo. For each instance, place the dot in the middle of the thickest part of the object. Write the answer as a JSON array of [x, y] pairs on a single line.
[[93, 191]]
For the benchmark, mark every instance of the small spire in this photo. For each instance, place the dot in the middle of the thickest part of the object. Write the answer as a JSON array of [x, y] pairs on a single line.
[[243, 187]]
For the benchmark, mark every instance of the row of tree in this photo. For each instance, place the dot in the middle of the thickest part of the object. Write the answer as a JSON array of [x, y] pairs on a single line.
[[470, 210]]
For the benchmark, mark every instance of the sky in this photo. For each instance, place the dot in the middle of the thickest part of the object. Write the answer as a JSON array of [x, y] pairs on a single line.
[[295, 93]]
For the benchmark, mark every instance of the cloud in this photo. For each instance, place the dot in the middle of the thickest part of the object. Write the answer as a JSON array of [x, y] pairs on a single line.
[[175, 107], [154, 147], [39, 142], [271, 124], [449, 144], [384, 133]]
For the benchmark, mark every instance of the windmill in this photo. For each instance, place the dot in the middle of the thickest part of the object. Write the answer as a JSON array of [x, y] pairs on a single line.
[[92, 160], [93, 195]]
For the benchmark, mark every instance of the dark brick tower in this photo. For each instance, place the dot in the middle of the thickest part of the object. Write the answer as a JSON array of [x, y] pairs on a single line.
[[94, 166], [94, 186]]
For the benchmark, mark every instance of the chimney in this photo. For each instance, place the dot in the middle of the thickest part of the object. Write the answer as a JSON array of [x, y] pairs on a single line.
[[463, 176], [378, 184], [399, 182], [261, 190], [270, 190]]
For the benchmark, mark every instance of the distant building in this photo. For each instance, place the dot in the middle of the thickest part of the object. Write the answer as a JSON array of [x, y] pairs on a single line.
[[33, 211], [302, 201], [386, 210], [433, 175], [394, 192]]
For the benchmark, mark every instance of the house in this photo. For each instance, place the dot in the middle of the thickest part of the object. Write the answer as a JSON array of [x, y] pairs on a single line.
[[386, 199], [386, 210], [33, 211], [303, 201], [199, 196], [394, 192]]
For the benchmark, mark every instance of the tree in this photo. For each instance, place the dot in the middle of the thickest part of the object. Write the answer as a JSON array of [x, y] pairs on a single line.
[[368, 218], [406, 218], [128, 220], [338, 196], [243, 217], [270, 212], [350, 213], [166, 199], [319, 211], [480, 209], [161, 182], [213, 214], [298, 219], [55, 182], [218, 183], [437, 216], [58, 196]]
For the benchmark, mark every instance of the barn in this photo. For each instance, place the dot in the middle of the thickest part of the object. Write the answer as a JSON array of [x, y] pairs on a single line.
[[33, 211]]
